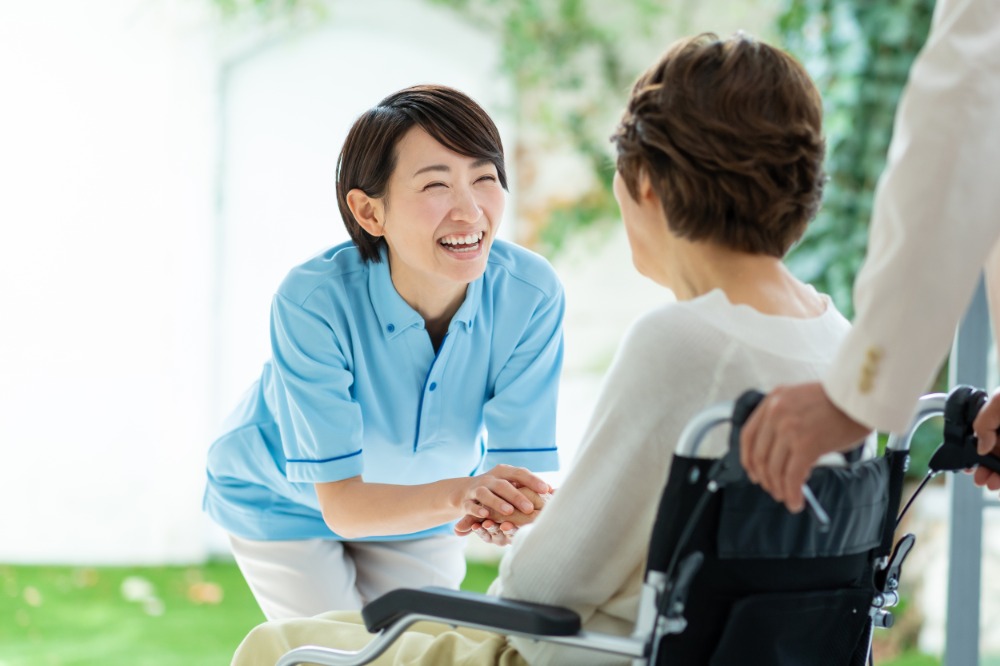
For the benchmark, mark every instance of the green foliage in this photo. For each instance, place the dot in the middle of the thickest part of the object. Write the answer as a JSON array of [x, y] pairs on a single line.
[[269, 9], [859, 53]]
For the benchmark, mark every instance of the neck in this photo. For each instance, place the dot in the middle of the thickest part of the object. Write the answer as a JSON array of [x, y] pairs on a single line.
[[759, 281], [436, 301]]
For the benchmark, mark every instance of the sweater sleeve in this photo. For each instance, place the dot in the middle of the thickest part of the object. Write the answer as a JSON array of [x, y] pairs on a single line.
[[603, 513]]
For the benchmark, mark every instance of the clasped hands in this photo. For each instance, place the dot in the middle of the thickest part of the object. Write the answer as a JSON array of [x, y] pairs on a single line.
[[500, 501]]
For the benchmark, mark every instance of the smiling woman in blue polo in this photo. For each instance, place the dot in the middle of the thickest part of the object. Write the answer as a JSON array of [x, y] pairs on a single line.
[[413, 376]]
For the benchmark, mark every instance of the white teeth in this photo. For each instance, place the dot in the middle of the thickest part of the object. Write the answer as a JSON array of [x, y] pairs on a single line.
[[467, 239]]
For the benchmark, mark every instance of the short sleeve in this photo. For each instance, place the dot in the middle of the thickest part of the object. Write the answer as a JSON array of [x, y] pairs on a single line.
[[520, 416], [320, 422]]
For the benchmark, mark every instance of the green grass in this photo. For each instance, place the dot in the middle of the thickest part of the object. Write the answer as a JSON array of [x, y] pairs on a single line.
[[78, 616], [913, 659], [177, 616]]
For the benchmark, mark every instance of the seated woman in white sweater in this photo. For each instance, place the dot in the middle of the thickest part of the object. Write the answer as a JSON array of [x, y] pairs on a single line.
[[720, 153]]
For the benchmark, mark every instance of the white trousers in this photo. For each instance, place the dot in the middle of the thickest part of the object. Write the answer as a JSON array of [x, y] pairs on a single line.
[[311, 576]]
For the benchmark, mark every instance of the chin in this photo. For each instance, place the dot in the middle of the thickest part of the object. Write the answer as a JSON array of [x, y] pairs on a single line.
[[472, 273]]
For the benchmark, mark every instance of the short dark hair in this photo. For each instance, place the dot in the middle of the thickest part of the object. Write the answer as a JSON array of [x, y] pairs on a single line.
[[368, 156], [730, 134]]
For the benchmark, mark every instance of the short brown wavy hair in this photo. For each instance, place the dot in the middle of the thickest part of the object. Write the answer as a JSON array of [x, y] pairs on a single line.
[[730, 135], [368, 157]]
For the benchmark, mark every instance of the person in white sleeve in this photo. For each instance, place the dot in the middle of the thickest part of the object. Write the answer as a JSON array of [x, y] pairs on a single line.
[[720, 154], [935, 226]]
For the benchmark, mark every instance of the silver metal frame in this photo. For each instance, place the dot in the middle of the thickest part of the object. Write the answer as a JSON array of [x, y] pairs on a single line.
[[928, 407], [311, 654], [635, 646]]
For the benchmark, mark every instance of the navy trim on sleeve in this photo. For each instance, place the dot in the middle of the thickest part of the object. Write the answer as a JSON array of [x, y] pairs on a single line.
[[325, 460], [489, 450]]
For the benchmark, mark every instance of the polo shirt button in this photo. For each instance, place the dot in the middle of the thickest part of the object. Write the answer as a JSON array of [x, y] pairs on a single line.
[[433, 386], [390, 328]]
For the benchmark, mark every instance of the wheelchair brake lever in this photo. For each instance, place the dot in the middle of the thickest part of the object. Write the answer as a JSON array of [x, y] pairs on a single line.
[[887, 579]]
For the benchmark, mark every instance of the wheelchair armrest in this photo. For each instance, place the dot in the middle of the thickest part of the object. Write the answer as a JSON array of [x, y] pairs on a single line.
[[503, 615]]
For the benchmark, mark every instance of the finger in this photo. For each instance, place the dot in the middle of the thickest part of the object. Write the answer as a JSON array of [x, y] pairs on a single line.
[[491, 500], [765, 441], [506, 491], [980, 476], [520, 476], [748, 442], [993, 481], [473, 508], [769, 453], [772, 471], [465, 525], [795, 475], [986, 423], [985, 440], [483, 534]]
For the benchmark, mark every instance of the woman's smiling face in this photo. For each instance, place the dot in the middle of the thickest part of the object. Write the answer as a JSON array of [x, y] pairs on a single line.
[[439, 215]]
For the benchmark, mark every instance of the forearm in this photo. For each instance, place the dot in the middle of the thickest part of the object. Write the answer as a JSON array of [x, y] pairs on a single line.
[[354, 509]]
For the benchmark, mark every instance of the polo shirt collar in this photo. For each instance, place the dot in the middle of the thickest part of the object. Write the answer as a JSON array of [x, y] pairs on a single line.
[[470, 306], [395, 315]]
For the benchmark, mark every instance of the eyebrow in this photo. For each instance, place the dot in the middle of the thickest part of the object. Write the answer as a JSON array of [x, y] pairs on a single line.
[[444, 167]]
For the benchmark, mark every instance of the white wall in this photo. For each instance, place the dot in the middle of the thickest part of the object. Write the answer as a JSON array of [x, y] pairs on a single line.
[[133, 301], [105, 169]]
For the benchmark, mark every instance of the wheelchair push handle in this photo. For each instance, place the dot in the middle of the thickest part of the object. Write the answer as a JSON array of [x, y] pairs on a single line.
[[744, 406], [958, 449]]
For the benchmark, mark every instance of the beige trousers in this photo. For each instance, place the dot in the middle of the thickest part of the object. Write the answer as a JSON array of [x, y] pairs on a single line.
[[423, 644]]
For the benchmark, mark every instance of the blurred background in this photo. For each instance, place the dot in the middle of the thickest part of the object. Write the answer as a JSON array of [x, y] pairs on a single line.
[[163, 163]]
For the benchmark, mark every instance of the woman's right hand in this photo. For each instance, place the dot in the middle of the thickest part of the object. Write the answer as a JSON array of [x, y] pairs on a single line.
[[497, 494]]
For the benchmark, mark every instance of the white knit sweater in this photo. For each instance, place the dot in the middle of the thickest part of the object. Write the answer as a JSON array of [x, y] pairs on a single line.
[[587, 549]]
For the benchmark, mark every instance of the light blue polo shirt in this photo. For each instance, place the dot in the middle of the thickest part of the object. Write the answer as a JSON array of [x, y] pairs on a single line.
[[354, 387]]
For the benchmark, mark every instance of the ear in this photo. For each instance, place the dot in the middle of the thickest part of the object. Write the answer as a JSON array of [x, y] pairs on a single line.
[[645, 189], [368, 211]]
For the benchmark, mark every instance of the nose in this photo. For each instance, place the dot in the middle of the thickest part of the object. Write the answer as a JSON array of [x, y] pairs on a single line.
[[465, 207]]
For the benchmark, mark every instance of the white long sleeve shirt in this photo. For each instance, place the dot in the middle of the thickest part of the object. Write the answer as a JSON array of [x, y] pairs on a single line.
[[936, 219]]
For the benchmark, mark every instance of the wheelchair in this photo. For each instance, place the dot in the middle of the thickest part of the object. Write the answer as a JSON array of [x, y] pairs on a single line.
[[732, 578]]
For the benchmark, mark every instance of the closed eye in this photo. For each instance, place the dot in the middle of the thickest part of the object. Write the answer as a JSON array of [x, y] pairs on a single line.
[[487, 178], [433, 185]]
